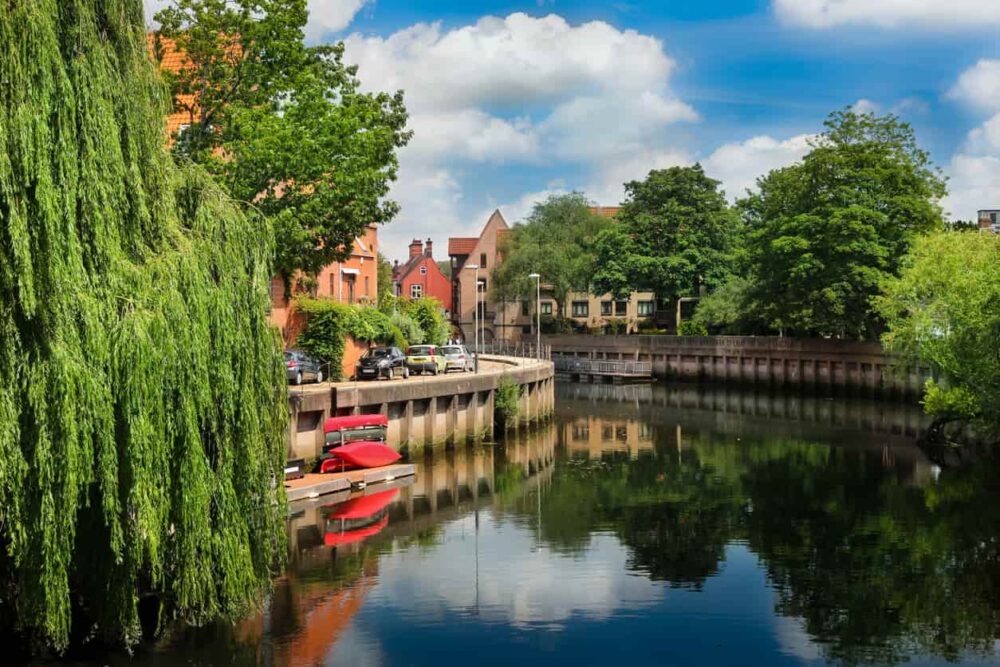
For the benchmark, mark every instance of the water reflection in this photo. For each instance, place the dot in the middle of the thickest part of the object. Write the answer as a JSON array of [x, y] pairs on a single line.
[[649, 525]]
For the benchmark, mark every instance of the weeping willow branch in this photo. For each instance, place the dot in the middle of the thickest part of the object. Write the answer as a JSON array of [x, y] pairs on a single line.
[[141, 386]]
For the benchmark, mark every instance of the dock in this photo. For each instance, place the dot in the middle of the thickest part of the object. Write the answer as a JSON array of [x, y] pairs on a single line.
[[600, 370], [313, 486]]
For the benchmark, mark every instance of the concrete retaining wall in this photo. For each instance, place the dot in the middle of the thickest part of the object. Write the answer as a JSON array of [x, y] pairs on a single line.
[[820, 363], [421, 412]]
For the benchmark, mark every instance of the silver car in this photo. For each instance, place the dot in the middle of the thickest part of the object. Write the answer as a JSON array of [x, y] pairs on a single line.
[[457, 358]]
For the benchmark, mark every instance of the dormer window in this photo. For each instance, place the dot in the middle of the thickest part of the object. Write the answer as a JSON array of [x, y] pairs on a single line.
[[423, 270]]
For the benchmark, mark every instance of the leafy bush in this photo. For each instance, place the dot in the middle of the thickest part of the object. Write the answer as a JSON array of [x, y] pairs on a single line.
[[429, 316], [329, 324], [556, 325], [506, 403], [408, 327], [617, 326], [692, 328]]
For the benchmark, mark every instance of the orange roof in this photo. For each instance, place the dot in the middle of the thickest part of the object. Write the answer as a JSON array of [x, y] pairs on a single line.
[[462, 246], [172, 60], [606, 211]]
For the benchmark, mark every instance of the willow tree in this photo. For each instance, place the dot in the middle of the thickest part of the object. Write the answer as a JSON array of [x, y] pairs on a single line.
[[141, 386]]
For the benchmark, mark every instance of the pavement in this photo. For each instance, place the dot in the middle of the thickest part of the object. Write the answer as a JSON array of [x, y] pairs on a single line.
[[486, 367]]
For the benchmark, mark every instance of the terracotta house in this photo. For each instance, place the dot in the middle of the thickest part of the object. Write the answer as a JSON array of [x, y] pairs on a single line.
[[421, 276]]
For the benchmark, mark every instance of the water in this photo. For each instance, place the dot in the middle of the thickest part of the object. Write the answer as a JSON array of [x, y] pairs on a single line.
[[647, 526]]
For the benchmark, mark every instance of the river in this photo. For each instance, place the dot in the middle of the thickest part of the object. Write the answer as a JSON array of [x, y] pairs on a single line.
[[646, 525]]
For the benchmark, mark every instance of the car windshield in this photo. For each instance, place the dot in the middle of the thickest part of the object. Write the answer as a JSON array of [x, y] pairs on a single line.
[[377, 353], [423, 349], [451, 350]]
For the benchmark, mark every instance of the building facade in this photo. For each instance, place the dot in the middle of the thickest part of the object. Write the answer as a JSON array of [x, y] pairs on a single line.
[[481, 252], [420, 276], [353, 281], [990, 219]]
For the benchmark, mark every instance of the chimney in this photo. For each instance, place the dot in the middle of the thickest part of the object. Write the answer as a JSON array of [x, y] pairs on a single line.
[[416, 248], [427, 248]]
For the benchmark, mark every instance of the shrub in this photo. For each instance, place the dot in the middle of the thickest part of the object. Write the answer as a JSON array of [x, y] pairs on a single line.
[[329, 324], [617, 326], [692, 328], [429, 316], [409, 329], [506, 403]]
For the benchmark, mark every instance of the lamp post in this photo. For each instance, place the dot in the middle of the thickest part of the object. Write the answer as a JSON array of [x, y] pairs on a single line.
[[538, 314], [475, 315]]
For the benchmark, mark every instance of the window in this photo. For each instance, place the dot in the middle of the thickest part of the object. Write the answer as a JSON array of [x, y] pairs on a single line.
[[482, 260], [621, 307], [606, 308], [416, 291], [647, 308], [546, 307], [525, 309], [423, 270], [581, 309], [367, 286], [349, 287]]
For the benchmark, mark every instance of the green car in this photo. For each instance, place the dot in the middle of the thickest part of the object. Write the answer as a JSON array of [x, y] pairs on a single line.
[[425, 358]]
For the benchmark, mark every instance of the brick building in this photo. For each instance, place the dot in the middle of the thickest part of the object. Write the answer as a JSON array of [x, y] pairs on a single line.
[[421, 276]]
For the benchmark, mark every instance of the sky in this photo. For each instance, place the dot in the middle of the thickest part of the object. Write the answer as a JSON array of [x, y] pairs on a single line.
[[511, 101]]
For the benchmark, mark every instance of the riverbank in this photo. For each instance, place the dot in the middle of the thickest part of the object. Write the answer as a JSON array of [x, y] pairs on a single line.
[[822, 364], [422, 411]]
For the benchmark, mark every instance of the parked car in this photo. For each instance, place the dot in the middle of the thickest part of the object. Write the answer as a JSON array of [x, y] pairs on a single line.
[[382, 362], [457, 358], [300, 367], [425, 359]]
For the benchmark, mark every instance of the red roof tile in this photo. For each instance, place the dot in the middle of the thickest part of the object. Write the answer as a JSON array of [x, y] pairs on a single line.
[[462, 246]]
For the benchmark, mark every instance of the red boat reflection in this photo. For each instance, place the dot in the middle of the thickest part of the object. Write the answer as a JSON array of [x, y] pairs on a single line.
[[359, 518]]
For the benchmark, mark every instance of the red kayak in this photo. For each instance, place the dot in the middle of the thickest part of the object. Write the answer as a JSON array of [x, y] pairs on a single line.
[[335, 539], [359, 455], [354, 421], [365, 506]]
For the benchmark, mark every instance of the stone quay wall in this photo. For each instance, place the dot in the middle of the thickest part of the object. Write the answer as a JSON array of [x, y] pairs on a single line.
[[757, 360], [422, 411]]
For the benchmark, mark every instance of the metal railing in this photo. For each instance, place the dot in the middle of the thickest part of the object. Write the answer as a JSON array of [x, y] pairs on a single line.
[[519, 350], [617, 368]]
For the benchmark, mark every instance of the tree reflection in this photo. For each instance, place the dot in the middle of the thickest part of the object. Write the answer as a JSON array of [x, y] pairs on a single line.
[[878, 569]]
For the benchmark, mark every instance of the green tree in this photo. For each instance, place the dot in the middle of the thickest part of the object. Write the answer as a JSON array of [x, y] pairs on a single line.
[[555, 242], [385, 288], [943, 311], [286, 127], [825, 233], [675, 233], [142, 389], [429, 316]]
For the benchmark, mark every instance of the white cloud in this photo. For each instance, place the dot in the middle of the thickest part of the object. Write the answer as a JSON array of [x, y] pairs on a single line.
[[974, 184], [524, 90], [608, 188], [331, 16], [979, 86], [930, 14], [974, 172], [738, 165], [866, 106], [325, 16]]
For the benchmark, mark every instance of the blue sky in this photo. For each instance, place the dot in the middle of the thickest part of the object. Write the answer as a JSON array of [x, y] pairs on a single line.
[[511, 101]]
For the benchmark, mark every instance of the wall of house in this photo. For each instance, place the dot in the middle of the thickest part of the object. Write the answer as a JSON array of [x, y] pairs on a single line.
[[466, 279], [363, 260], [433, 283]]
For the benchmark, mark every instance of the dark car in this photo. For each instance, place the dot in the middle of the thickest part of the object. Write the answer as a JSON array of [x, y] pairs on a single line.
[[300, 367], [382, 362]]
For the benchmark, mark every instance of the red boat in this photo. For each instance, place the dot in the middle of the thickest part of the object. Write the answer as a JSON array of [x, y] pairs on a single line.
[[359, 455], [359, 518], [340, 431]]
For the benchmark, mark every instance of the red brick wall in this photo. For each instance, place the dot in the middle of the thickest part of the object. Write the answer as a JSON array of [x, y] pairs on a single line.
[[435, 284]]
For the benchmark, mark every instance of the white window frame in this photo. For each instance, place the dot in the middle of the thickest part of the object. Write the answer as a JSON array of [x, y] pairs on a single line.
[[416, 291]]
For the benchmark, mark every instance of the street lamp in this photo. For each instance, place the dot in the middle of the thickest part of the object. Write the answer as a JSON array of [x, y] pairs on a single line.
[[538, 313], [475, 314]]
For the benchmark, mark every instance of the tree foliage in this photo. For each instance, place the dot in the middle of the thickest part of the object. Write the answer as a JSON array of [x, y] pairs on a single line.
[[675, 232], [142, 399], [554, 242], [329, 324], [428, 314], [286, 127], [943, 311], [825, 233]]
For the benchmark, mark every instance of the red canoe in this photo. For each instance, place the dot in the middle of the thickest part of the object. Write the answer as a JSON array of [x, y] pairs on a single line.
[[332, 539], [354, 421], [365, 506], [359, 455]]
